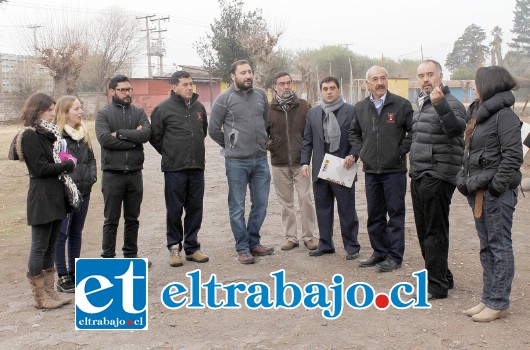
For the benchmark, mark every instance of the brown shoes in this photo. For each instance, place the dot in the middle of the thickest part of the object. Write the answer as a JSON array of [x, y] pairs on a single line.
[[261, 250], [245, 258], [312, 244], [488, 315], [475, 310], [198, 257], [175, 260], [288, 245]]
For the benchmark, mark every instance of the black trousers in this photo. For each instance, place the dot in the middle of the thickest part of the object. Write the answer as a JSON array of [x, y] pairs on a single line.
[[42, 251], [325, 194], [431, 199], [184, 191], [121, 189]]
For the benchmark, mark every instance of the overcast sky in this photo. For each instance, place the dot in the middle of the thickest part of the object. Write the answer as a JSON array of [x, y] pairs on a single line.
[[394, 28]]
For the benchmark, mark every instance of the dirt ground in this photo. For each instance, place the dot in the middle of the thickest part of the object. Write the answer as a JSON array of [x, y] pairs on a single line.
[[441, 327]]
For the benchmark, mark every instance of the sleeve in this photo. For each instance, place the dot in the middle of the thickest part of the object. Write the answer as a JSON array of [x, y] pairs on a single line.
[[36, 159], [452, 115], [355, 136], [104, 134], [217, 119], [509, 133], [307, 143], [204, 121], [137, 136], [157, 129], [93, 165], [404, 146]]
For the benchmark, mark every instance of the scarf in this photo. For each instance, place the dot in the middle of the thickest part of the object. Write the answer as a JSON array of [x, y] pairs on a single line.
[[422, 98], [285, 101], [75, 134], [64, 177], [331, 126]]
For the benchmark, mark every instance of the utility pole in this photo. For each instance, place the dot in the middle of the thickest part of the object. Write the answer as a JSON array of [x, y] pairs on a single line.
[[160, 52], [34, 27], [147, 31]]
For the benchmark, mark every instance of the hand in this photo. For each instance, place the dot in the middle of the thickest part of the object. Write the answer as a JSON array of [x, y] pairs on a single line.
[[114, 134], [139, 127], [348, 161], [305, 171], [437, 95], [66, 157]]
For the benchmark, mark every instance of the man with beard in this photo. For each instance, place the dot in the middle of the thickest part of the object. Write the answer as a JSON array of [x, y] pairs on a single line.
[[287, 118], [238, 123], [121, 129], [326, 131], [435, 159], [380, 135]]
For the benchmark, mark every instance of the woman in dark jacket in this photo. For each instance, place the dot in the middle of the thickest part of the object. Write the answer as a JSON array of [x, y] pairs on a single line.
[[39, 146], [489, 178], [68, 119]]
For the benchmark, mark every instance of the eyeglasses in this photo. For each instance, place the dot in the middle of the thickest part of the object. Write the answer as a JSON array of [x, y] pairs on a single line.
[[124, 90]]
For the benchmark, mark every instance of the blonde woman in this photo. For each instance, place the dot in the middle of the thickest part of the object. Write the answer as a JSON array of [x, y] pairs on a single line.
[[68, 117]]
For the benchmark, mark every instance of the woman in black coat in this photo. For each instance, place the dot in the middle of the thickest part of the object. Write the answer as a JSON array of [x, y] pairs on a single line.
[[489, 178], [39, 146], [68, 119]]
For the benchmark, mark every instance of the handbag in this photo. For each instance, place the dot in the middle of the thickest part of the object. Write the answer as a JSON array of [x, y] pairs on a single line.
[[73, 200], [13, 154]]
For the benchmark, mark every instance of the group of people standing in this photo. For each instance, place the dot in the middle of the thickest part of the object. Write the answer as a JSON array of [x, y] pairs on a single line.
[[379, 130]]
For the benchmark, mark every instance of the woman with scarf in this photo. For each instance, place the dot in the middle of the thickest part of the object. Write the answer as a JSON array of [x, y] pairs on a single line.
[[68, 119], [489, 178], [39, 146]]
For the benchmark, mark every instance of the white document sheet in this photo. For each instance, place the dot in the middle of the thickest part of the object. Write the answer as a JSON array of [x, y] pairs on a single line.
[[333, 170]]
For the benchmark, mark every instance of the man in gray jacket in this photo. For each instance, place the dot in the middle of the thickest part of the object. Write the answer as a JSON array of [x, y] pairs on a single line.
[[238, 123], [435, 159]]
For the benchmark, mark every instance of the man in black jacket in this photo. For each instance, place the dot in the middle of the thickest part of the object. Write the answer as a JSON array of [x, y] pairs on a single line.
[[121, 129], [380, 134], [178, 130], [435, 159]]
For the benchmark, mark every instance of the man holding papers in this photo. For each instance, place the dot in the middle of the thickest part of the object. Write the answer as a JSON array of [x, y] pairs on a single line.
[[326, 131], [380, 135]]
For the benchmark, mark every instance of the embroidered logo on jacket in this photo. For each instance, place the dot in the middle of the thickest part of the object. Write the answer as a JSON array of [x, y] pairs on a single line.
[[391, 117], [199, 116]]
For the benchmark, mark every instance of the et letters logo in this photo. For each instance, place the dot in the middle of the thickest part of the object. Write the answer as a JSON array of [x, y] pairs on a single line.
[[111, 294]]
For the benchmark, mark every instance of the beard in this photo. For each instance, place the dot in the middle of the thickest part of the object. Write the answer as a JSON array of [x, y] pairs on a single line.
[[125, 101], [241, 85]]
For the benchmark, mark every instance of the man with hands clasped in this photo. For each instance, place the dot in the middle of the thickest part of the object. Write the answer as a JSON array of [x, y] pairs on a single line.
[[326, 131]]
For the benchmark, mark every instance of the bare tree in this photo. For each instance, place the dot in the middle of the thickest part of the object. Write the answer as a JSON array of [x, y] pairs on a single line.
[[259, 42], [62, 48], [113, 45]]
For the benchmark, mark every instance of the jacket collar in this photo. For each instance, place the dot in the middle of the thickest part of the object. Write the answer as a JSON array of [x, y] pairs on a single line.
[[177, 98], [494, 104]]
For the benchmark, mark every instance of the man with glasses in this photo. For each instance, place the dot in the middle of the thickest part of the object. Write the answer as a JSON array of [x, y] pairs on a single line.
[[287, 118], [121, 129], [178, 129]]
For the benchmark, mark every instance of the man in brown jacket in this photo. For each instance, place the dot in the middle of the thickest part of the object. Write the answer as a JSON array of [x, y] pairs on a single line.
[[287, 118]]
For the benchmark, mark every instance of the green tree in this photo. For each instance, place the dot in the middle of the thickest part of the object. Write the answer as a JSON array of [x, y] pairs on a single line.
[[469, 50], [463, 73], [521, 27], [230, 36]]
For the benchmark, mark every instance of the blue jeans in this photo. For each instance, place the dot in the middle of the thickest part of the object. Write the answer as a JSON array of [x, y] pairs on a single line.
[[71, 230], [494, 230], [254, 173]]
